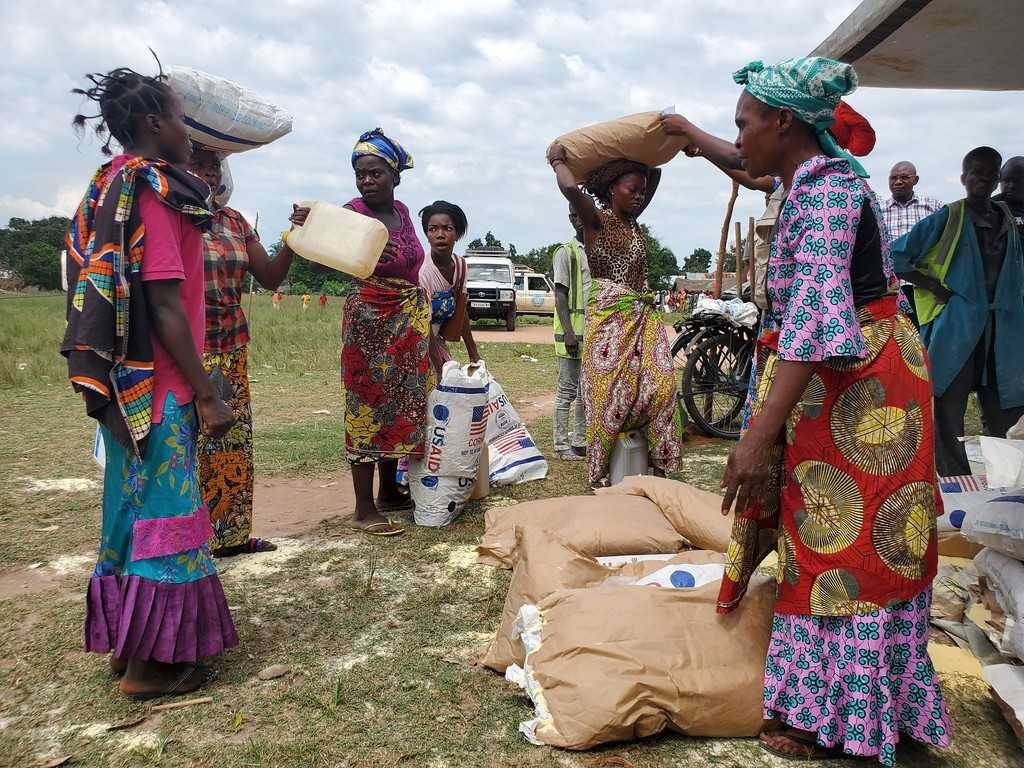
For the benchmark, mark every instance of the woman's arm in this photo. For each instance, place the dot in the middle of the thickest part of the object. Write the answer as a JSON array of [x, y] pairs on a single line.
[[172, 329], [719, 151], [581, 202], [467, 337], [750, 463], [269, 272]]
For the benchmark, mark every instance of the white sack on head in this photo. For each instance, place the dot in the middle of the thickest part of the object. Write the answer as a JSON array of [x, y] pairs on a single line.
[[223, 115]]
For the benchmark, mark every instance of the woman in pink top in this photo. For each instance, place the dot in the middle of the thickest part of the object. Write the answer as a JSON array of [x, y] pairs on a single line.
[[134, 348], [385, 331]]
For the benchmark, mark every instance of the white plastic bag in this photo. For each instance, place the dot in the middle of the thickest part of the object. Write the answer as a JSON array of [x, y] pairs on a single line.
[[227, 185], [1004, 461], [439, 500], [1016, 432], [743, 312], [456, 422], [224, 116]]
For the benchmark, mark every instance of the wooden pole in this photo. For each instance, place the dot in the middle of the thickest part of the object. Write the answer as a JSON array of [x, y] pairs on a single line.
[[752, 277], [739, 259], [723, 241]]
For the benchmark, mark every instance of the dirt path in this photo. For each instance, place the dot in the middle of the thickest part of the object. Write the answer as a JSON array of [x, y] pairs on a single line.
[[523, 334], [283, 507]]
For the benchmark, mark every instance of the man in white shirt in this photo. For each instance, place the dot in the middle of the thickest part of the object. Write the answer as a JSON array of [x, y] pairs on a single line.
[[904, 209]]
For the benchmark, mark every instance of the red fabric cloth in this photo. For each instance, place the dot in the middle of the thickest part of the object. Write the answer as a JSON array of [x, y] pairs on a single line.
[[852, 131], [858, 501]]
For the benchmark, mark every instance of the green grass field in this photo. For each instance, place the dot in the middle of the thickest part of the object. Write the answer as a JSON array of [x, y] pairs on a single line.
[[378, 636]]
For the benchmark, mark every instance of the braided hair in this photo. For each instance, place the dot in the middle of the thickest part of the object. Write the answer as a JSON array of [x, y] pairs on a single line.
[[123, 96], [452, 211], [600, 182]]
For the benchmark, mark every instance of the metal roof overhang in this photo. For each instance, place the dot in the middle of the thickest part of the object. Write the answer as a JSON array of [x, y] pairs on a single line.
[[948, 44]]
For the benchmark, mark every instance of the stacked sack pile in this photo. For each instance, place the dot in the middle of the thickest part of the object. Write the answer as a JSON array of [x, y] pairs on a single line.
[[997, 524], [610, 622]]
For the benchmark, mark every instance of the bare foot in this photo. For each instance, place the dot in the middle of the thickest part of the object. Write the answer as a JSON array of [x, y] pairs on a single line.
[[117, 666], [150, 679]]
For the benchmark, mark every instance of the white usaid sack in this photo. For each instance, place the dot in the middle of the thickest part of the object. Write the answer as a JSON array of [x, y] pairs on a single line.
[[1004, 461], [514, 457], [224, 116], [961, 496], [439, 500], [999, 523], [456, 422]]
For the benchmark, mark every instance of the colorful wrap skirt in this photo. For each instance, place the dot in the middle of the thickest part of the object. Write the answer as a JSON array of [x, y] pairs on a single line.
[[857, 681], [629, 380], [852, 505], [155, 594], [226, 463], [385, 370]]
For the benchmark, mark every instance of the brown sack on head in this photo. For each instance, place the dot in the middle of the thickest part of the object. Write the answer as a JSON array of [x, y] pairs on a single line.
[[634, 137], [696, 514], [618, 664], [545, 564], [594, 525]]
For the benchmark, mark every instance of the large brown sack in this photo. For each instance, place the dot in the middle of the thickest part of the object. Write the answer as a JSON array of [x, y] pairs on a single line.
[[618, 664], [546, 564], [695, 513], [596, 525], [633, 137]]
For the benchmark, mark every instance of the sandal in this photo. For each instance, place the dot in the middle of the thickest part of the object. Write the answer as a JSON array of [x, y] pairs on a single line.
[[806, 746], [252, 546], [406, 505], [381, 529]]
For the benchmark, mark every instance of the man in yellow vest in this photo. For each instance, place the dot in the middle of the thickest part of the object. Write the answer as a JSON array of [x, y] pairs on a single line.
[[572, 288], [967, 267]]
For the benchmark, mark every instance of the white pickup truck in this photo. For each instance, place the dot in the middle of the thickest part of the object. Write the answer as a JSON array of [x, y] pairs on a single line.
[[490, 286], [535, 294]]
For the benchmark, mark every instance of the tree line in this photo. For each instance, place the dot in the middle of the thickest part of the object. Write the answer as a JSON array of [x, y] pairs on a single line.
[[32, 249]]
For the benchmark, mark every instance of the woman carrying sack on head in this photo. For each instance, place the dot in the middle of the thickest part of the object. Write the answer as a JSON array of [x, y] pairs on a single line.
[[443, 277], [232, 250], [629, 379], [837, 464]]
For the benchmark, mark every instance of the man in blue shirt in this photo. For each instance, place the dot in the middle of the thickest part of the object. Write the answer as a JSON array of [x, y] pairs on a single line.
[[966, 266]]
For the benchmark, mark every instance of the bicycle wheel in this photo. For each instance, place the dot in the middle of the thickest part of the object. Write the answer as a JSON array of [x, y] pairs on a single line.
[[714, 384]]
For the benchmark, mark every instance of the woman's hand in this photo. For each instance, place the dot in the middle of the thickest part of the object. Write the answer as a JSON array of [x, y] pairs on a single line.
[[675, 125], [389, 254], [298, 217], [215, 416], [556, 153], [747, 472]]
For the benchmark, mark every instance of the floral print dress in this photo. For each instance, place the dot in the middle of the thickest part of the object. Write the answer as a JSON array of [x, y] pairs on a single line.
[[853, 506]]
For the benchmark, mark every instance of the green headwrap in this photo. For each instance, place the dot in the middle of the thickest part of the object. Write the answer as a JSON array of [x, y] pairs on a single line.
[[811, 87]]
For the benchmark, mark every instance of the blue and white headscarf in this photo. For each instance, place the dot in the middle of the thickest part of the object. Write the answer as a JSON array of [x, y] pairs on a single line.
[[377, 144], [811, 87]]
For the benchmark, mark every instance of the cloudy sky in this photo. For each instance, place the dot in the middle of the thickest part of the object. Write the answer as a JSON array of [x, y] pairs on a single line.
[[475, 89]]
